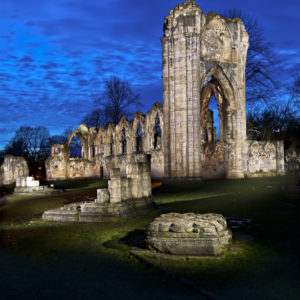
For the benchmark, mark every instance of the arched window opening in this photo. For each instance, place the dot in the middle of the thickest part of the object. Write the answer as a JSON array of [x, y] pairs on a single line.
[[111, 146], [93, 151], [139, 141], [75, 147], [124, 141], [157, 133], [212, 121], [212, 111]]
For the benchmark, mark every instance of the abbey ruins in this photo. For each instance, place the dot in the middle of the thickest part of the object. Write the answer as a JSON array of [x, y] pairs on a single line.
[[202, 56]]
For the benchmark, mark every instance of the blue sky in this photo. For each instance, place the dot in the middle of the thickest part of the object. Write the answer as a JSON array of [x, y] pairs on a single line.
[[56, 54]]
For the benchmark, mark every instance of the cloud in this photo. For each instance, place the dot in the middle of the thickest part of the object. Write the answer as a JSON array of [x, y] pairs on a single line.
[[55, 55]]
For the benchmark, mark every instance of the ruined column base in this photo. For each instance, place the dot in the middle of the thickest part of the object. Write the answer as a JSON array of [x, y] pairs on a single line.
[[96, 212]]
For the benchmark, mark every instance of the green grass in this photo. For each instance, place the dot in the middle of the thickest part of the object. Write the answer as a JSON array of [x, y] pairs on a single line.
[[50, 260]]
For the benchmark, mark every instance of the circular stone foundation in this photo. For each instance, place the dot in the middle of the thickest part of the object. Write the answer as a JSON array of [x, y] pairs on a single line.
[[189, 234]]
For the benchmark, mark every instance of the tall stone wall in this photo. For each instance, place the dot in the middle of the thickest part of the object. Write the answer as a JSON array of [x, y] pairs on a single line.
[[203, 55], [116, 144], [12, 168], [265, 158]]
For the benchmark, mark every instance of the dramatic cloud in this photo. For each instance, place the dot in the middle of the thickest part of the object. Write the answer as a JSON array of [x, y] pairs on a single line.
[[56, 54]]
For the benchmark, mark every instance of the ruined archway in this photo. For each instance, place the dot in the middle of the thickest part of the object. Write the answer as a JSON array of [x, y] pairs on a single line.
[[138, 133], [203, 56], [214, 149], [77, 143]]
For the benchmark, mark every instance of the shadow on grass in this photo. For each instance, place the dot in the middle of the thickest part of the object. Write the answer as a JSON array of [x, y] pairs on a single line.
[[92, 260]]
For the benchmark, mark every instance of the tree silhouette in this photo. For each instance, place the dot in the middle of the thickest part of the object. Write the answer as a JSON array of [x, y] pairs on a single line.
[[262, 63]]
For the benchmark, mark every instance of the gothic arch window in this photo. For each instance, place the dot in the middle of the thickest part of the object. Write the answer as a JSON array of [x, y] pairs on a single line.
[[157, 134], [213, 111], [124, 141], [139, 139], [111, 145], [75, 147]]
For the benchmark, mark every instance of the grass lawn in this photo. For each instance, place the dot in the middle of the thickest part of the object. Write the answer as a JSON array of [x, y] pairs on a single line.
[[44, 260]]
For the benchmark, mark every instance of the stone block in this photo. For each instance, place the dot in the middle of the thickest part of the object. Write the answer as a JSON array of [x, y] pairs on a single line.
[[189, 234], [102, 195], [114, 188], [60, 215]]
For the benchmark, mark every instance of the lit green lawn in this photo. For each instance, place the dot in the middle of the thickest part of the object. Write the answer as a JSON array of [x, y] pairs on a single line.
[[49, 260]]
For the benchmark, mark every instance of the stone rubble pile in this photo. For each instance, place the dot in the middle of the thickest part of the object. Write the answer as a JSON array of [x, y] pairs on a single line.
[[27, 185]]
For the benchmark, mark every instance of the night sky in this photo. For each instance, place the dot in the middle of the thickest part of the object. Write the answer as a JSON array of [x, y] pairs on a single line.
[[56, 54]]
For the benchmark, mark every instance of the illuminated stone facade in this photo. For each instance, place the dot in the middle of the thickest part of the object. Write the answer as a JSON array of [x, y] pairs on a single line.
[[124, 195], [202, 56], [12, 168], [117, 145]]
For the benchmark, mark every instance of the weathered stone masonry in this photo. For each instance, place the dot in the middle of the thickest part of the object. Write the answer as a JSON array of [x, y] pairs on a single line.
[[12, 168], [114, 145], [202, 56]]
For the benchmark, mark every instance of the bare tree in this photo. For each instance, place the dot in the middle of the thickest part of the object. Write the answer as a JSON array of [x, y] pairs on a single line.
[[95, 118], [262, 63], [32, 143], [117, 99], [295, 88], [274, 121]]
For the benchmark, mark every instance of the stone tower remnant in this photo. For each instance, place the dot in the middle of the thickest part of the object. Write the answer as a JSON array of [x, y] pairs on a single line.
[[203, 55]]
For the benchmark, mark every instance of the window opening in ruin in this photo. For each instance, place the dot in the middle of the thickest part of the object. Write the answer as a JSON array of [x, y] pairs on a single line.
[[93, 151], [157, 133], [124, 141], [212, 111], [75, 147], [111, 146], [212, 121], [139, 141]]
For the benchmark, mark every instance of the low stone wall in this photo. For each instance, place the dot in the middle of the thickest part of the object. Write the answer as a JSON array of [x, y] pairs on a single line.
[[213, 161], [60, 166], [12, 168], [157, 164], [265, 158], [77, 167], [122, 198], [292, 158]]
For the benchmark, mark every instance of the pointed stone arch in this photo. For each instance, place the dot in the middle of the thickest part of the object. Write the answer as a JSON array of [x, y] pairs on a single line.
[[82, 133], [100, 140], [109, 148], [228, 86], [138, 140], [122, 135], [153, 114]]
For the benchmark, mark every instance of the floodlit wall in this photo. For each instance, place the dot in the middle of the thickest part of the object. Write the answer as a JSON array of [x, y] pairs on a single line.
[[202, 56], [12, 168], [116, 144]]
